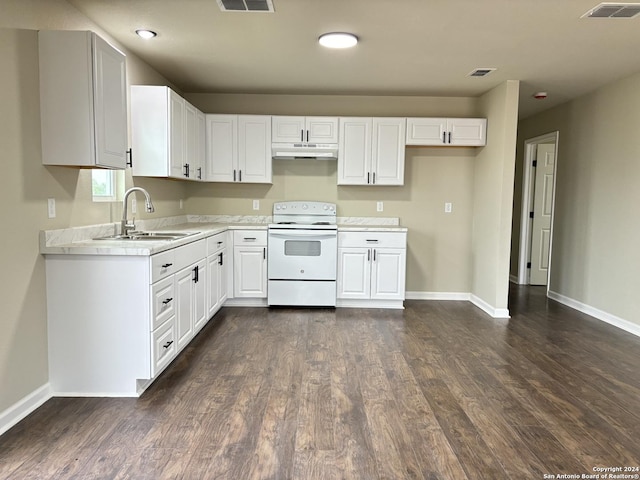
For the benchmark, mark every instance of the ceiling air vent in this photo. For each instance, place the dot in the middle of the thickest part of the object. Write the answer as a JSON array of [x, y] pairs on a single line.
[[480, 72], [246, 5], [613, 10]]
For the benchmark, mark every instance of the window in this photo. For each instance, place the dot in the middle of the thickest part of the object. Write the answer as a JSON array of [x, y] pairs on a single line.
[[106, 185]]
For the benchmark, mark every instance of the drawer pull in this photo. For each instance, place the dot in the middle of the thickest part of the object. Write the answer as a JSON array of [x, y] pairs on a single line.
[[220, 243], [372, 241], [168, 344], [167, 301], [167, 265], [250, 239], [220, 260]]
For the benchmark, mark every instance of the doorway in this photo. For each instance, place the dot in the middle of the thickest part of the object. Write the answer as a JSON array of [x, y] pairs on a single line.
[[538, 199]]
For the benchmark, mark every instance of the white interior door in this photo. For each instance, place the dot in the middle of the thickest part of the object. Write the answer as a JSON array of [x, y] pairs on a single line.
[[542, 208]]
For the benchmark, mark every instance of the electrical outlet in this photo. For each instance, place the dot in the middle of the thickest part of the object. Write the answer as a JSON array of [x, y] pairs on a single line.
[[448, 207], [256, 204], [134, 205], [51, 207], [380, 206]]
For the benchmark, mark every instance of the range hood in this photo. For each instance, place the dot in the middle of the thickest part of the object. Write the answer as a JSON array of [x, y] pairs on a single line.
[[317, 151]]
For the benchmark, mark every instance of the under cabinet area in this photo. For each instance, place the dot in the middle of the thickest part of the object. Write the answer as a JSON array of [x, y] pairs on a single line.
[[371, 269], [447, 131], [83, 100], [167, 134], [238, 148], [116, 322], [371, 151]]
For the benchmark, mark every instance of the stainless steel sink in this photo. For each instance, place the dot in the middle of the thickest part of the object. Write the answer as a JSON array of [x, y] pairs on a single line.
[[154, 236]]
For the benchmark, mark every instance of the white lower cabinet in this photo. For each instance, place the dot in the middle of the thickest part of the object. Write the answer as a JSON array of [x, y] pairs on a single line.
[[250, 264], [217, 275], [371, 269], [115, 322]]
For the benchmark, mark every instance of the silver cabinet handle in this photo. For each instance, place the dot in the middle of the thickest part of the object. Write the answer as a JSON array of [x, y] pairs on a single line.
[[374, 178], [368, 255]]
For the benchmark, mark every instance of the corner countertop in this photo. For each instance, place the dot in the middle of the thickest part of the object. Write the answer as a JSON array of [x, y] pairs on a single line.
[[81, 240]]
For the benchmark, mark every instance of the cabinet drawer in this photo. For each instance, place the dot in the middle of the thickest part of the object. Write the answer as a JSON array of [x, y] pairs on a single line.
[[216, 243], [190, 253], [372, 239], [163, 347], [163, 295], [162, 265], [250, 237]]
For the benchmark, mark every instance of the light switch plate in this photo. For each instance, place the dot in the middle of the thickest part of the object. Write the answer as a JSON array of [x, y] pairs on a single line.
[[256, 204], [380, 206], [448, 207], [134, 205]]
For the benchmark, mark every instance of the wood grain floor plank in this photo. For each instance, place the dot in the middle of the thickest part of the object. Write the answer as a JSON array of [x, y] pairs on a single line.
[[436, 391]]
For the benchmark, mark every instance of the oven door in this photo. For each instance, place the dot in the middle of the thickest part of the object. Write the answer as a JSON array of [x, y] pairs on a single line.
[[296, 254]]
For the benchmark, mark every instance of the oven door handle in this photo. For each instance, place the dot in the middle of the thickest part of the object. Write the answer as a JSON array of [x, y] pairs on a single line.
[[302, 233]]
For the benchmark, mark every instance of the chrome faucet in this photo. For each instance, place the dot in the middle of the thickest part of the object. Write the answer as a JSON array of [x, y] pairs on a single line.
[[125, 226]]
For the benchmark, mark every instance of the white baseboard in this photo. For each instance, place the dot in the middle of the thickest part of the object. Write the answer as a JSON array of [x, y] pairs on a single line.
[[513, 279], [23, 407], [491, 310], [621, 323], [437, 296], [465, 296]]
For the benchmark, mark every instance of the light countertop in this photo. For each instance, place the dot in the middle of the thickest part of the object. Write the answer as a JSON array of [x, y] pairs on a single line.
[[80, 240]]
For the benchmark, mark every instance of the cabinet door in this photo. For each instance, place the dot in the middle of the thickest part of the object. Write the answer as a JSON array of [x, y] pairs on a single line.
[[250, 272], [387, 157], [287, 129], [201, 149], [110, 105], [199, 296], [354, 272], [254, 148], [354, 153], [467, 131], [321, 130], [222, 147], [190, 140], [388, 273], [176, 135], [213, 284], [426, 131], [184, 306], [223, 274]]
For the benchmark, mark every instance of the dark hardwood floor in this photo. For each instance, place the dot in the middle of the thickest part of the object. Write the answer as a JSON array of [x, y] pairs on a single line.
[[437, 391]]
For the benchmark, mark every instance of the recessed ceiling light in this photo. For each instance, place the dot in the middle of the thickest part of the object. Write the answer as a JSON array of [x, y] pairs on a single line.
[[146, 33], [338, 40]]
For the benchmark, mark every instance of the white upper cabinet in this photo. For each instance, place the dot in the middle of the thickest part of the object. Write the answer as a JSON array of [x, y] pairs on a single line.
[[286, 129], [83, 100], [238, 148], [371, 151], [166, 133], [447, 131]]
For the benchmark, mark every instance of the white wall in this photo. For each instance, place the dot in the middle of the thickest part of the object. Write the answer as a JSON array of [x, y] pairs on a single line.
[[595, 254], [25, 185], [492, 199]]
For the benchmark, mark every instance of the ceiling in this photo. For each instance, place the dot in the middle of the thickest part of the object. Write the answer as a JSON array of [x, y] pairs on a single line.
[[407, 47]]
